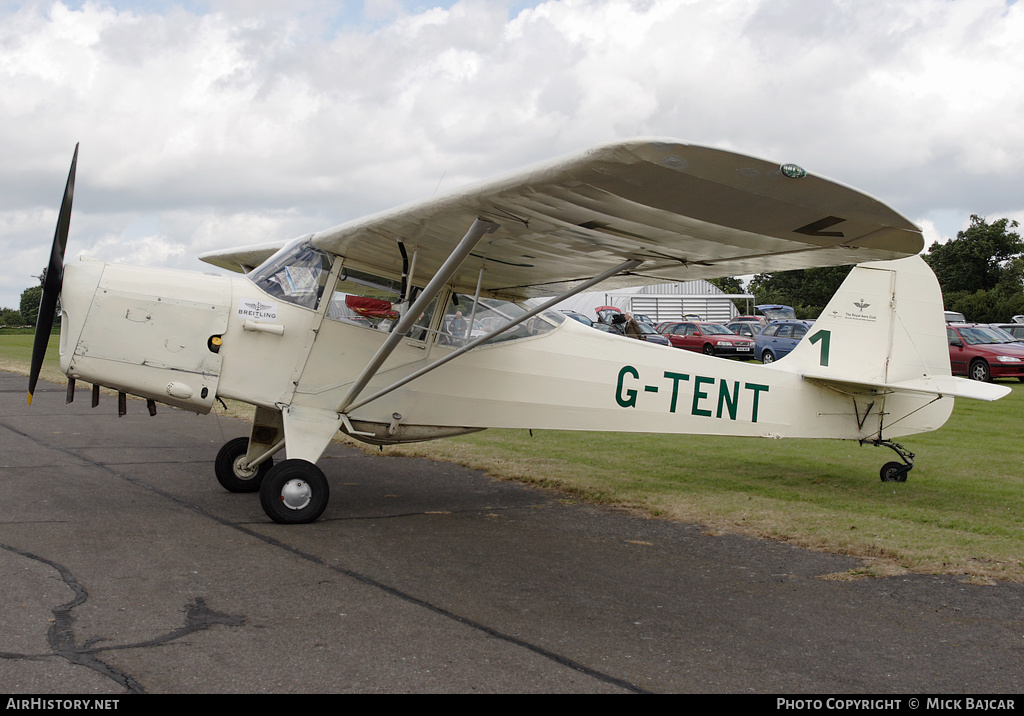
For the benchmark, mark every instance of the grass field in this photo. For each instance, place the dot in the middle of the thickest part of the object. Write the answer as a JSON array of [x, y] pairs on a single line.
[[960, 512]]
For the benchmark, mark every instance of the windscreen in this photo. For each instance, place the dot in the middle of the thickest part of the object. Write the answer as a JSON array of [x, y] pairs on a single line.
[[296, 274]]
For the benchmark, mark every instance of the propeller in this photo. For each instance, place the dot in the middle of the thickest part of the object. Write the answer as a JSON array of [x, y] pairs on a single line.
[[52, 281]]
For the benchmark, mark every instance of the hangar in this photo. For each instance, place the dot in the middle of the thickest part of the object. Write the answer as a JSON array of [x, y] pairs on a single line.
[[667, 301]]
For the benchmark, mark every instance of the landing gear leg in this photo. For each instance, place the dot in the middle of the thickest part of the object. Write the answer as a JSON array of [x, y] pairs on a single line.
[[894, 471]]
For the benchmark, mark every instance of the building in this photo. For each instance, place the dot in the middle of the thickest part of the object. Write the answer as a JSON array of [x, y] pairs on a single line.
[[666, 301]]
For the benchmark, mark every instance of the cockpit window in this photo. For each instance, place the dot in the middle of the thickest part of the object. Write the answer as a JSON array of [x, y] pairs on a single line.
[[296, 274], [364, 299]]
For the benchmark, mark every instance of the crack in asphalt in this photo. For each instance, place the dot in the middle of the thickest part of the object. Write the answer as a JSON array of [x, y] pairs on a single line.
[[362, 578], [64, 642]]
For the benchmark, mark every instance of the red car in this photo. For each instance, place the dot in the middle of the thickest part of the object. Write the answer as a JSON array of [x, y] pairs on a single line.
[[712, 339], [983, 353]]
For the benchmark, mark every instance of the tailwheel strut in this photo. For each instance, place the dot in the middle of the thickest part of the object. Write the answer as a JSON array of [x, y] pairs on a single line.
[[895, 471]]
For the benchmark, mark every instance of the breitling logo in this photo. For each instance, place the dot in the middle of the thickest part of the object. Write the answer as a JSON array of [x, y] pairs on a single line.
[[248, 308]]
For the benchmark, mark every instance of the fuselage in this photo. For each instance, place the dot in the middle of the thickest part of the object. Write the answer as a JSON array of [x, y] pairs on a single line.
[[188, 338]]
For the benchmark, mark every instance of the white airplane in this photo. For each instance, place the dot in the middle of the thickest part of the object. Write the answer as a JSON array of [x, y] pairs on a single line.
[[413, 324]]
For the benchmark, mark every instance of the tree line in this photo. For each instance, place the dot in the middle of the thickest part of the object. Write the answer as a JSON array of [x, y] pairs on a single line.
[[981, 273], [27, 311]]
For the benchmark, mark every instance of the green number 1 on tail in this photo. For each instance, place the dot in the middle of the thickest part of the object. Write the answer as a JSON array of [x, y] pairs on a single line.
[[825, 337]]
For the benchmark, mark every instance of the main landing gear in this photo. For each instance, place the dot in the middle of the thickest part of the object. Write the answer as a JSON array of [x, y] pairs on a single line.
[[291, 492], [294, 492], [233, 474], [896, 471]]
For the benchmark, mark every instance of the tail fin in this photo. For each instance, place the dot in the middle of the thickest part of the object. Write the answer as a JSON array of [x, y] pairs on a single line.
[[884, 330]]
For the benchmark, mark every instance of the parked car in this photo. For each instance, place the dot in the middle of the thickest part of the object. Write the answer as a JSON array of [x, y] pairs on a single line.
[[712, 339], [607, 316], [954, 317], [1014, 329], [579, 317], [650, 335], [744, 328], [776, 312], [758, 321], [982, 353], [644, 318], [779, 338]]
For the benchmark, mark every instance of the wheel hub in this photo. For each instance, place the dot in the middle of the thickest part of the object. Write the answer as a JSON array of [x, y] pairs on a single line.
[[296, 494], [243, 470]]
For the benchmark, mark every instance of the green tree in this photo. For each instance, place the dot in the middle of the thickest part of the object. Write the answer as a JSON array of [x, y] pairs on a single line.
[[11, 317], [981, 271], [982, 257], [30, 299], [727, 284], [808, 291]]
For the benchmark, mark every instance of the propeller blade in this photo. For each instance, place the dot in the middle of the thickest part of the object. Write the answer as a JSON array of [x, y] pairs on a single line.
[[52, 281]]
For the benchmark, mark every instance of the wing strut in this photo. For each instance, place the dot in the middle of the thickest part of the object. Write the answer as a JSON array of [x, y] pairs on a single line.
[[450, 266], [625, 266]]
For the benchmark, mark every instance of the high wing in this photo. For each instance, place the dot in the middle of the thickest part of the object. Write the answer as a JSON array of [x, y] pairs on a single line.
[[686, 211]]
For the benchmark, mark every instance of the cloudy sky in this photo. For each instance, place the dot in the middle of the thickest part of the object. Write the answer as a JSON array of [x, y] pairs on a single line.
[[207, 125]]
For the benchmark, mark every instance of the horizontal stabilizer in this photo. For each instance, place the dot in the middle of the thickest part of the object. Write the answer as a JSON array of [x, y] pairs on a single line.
[[940, 385]]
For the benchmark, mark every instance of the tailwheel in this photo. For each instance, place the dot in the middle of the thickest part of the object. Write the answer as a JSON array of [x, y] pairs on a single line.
[[233, 474], [294, 492], [894, 472]]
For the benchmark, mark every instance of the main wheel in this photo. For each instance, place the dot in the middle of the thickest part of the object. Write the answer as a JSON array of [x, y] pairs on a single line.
[[231, 471], [709, 350], [980, 371], [893, 472], [294, 492], [767, 357]]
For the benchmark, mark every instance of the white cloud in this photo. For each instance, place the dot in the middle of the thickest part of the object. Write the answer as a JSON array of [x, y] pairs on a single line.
[[255, 121]]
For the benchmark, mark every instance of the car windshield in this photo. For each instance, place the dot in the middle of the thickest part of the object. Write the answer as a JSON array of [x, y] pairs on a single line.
[[579, 317], [713, 329], [777, 313], [1006, 333], [984, 335]]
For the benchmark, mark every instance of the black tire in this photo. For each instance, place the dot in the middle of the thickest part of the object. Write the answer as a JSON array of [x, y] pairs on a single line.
[[709, 350], [229, 471], [294, 492], [767, 357], [893, 472], [979, 371]]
